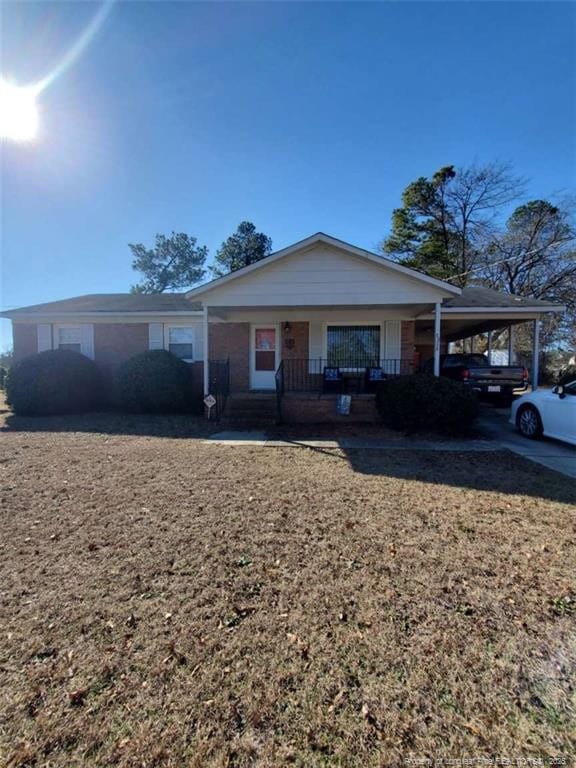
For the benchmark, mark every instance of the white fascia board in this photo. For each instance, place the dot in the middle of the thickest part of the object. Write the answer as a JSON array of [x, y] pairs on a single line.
[[507, 310], [462, 313], [107, 317]]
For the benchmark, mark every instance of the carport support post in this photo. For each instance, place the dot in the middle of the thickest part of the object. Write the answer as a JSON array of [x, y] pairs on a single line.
[[510, 345], [489, 347], [535, 353], [206, 354], [437, 309]]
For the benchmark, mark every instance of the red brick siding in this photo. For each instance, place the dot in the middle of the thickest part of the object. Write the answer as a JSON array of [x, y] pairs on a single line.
[[116, 342], [312, 409], [425, 352], [232, 340], [295, 341], [407, 348], [25, 338]]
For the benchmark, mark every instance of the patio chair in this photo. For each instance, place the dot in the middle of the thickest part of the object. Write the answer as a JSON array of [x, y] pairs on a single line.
[[332, 380], [374, 375]]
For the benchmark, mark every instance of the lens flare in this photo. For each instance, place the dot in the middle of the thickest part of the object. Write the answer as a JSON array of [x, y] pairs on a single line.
[[18, 112], [18, 103]]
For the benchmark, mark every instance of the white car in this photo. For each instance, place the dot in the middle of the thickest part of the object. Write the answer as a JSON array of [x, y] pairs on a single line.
[[550, 412]]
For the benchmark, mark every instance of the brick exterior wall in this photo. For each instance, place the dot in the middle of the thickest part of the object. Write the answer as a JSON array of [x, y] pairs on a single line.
[[295, 341], [232, 340], [314, 409], [407, 348], [25, 339], [116, 342]]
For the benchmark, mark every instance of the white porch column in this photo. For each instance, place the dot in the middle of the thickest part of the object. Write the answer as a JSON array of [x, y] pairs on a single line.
[[489, 347], [535, 353], [510, 345], [206, 351], [437, 310]]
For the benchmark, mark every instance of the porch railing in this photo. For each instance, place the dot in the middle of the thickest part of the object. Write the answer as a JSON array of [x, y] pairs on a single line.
[[279, 380], [219, 385], [308, 374]]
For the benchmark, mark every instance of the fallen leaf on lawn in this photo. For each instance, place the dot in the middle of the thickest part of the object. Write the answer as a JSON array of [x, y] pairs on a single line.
[[77, 697]]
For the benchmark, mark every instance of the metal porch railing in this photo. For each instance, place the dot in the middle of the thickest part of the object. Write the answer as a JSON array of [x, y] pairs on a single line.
[[219, 385]]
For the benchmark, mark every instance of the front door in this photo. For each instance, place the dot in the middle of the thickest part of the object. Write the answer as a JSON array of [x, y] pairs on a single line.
[[263, 356]]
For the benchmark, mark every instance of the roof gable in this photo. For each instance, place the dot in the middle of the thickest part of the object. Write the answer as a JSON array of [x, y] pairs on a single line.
[[322, 271]]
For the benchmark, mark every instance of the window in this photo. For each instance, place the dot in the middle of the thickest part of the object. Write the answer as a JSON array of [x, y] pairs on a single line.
[[353, 346], [69, 337], [181, 342]]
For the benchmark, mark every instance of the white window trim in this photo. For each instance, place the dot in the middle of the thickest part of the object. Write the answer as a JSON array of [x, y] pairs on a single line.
[[86, 337], [62, 327], [193, 327], [374, 323]]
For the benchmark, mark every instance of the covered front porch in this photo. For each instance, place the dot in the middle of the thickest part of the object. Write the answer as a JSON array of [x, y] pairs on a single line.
[[297, 361], [301, 346], [311, 350]]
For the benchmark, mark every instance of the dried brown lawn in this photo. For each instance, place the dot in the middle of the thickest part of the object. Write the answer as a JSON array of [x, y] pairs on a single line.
[[170, 603]]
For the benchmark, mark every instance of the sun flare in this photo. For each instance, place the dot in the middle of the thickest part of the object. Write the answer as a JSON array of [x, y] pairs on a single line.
[[18, 112]]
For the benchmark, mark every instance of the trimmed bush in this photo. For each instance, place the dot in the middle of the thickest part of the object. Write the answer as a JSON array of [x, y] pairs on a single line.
[[155, 382], [53, 382], [424, 403]]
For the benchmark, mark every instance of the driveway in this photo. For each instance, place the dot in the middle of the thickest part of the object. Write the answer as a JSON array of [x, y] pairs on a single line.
[[550, 453]]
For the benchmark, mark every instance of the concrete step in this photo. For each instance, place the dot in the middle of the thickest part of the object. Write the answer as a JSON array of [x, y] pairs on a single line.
[[249, 410]]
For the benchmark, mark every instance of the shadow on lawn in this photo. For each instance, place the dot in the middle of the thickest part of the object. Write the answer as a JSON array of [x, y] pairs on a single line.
[[175, 425], [497, 471]]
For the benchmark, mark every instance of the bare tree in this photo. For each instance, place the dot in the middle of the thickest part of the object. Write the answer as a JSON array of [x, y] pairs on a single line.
[[445, 221], [477, 197], [536, 256]]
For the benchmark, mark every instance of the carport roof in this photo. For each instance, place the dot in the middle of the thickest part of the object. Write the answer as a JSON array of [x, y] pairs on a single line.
[[478, 296]]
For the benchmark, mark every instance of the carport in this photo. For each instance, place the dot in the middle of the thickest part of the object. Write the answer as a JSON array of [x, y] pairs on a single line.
[[478, 311]]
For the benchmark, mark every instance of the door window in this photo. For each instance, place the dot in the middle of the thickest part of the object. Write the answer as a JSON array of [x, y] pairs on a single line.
[[265, 349]]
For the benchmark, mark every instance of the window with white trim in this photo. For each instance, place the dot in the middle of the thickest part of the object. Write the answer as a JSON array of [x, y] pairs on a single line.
[[353, 345], [69, 337], [180, 341]]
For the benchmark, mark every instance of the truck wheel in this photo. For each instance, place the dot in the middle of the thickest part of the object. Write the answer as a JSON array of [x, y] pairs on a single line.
[[529, 422]]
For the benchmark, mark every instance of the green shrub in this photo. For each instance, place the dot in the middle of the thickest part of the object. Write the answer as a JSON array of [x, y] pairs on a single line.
[[155, 382], [53, 382], [424, 403]]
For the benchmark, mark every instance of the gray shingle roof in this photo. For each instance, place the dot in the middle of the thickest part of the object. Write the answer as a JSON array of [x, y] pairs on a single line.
[[114, 302], [474, 296], [479, 296]]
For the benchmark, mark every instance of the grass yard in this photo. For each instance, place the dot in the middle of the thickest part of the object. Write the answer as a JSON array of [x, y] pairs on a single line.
[[167, 603]]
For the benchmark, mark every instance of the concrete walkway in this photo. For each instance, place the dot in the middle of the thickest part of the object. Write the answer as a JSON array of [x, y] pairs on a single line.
[[549, 453], [402, 444], [497, 434]]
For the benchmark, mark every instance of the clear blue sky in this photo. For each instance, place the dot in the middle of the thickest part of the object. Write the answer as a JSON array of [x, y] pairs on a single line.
[[298, 116]]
